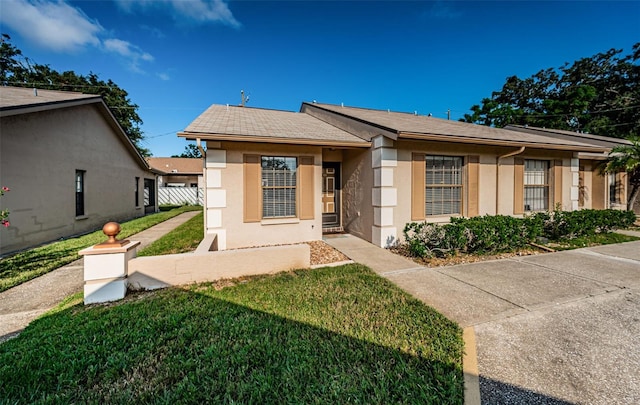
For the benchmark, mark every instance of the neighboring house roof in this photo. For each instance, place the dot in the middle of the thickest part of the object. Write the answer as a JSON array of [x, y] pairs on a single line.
[[411, 126], [261, 125], [21, 100], [176, 166]]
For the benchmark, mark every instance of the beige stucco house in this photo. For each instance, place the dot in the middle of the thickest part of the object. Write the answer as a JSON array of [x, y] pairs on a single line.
[[69, 165], [277, 177]]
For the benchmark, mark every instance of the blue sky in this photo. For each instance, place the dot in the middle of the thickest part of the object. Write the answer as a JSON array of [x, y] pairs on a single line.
[[177, 57]]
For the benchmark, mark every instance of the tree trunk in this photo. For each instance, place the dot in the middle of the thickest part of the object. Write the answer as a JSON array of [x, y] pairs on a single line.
[[633, 195]]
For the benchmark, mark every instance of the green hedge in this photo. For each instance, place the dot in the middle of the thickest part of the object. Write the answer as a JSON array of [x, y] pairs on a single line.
[[499, 233]]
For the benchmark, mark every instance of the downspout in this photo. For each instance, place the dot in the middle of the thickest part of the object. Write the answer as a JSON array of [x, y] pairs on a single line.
[[506, 155], [200, 148]]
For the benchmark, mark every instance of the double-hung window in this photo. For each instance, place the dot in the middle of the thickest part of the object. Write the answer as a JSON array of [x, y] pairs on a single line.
[[536, 185], [279, 183], [443, 185]]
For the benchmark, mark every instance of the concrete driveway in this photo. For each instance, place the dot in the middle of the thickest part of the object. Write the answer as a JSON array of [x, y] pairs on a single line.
[[554, 328]]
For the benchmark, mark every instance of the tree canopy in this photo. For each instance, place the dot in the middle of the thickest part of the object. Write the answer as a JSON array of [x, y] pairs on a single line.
[[20, 71], [598, 94], [190, 151]]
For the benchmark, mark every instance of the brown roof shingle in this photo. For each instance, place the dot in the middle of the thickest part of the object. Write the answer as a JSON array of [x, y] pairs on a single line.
[[420, 126], [181, 165], [16, 98], [270, 125]]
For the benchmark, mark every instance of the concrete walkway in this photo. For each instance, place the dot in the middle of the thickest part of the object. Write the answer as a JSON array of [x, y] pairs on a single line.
[[23, 303], [555, 328]]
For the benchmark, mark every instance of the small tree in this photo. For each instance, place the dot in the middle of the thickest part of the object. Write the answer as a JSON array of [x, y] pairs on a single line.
[[626, 158]]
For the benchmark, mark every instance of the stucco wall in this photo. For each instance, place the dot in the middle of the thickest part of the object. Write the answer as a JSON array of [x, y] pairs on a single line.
[[40, 153], [496, 195], [357, 182], [224, 177]]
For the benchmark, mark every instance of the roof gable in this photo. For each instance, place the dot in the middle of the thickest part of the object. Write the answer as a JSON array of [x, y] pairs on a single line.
[[21, 100]]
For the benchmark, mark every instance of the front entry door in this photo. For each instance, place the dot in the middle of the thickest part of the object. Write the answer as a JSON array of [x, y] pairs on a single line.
[[330, 194]]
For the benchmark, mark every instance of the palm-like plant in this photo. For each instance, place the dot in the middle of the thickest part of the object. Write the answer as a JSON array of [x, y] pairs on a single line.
[[626, 158]]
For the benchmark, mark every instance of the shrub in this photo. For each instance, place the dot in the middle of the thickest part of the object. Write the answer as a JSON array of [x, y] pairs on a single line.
[[492, 234]]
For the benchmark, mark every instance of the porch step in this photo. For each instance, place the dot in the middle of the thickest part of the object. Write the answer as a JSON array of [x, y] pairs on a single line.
[[333, 229]]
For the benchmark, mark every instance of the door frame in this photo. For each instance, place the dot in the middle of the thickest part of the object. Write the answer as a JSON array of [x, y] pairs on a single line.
[[335, 219]]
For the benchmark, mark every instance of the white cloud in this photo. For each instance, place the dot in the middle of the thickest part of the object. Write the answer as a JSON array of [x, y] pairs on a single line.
[[60, 27], [129, 51], [197, 10], [163, 76], [53, 25]]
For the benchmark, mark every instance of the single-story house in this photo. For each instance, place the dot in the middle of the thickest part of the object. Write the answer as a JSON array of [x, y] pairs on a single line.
[[277, 177], [69, 165], [178, 172]]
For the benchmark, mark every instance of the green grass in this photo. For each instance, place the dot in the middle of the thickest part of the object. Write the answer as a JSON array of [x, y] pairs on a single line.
[[332, 335], [29, 264], [184, 238], [593, 240]]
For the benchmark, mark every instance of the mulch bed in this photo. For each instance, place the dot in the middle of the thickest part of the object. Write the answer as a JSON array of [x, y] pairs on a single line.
[[322, 253], [463, 258]]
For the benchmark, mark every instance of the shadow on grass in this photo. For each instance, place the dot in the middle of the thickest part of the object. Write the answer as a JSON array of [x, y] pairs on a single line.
[[177, 346]]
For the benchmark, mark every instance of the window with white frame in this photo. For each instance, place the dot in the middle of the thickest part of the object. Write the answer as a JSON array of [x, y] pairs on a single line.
[[443, 185], [279, 181], [536, 185]]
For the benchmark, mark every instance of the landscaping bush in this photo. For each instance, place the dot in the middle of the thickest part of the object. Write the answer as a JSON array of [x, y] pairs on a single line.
[[492, 234]]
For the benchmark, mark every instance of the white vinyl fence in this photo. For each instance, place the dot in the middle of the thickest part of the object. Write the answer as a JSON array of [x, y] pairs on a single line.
[[180, 195]]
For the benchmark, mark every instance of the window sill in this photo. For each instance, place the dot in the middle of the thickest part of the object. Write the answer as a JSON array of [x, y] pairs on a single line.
[[81, 217], [139, 207], [441, 219], [280, 221]]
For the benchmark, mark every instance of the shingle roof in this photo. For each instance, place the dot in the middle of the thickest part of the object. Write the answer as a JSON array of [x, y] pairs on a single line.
[[15, 98], [244, 123], [424, 127], [181, 165], [606, 141]]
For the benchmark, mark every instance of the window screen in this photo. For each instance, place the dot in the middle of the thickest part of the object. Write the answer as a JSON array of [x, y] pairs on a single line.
[[536, 185], [443, 192], [279, 186]]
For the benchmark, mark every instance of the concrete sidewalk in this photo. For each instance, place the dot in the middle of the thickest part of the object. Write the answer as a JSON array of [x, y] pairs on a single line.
[[23, 303], [553, 328]]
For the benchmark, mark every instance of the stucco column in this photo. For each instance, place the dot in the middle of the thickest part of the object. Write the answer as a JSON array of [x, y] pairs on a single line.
[[575, 181], [216, 194], [384, 194]]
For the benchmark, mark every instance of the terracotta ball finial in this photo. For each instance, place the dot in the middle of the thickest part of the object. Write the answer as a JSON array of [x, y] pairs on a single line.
[[111, 229]]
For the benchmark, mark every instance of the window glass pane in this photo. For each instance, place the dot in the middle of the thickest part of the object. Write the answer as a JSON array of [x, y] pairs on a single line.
[[443, 192], [536, 187], [279, 186]]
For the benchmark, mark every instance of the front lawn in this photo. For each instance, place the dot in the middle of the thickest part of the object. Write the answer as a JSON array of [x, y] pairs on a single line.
[[32, 263], [331, 335], [185, 238]]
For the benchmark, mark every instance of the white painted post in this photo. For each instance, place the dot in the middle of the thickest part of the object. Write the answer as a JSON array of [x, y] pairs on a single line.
[[106, 267]]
